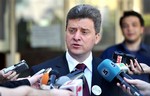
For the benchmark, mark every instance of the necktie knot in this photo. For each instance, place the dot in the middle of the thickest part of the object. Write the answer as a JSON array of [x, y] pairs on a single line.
[[81, 66]]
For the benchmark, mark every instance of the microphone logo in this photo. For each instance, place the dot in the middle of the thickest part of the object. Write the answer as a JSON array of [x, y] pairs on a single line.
[[119, 59], [105, 72], [108, 69], [113, 64]]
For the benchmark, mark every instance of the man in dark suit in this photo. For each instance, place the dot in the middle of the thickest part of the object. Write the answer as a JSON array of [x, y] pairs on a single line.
[[82, 33]]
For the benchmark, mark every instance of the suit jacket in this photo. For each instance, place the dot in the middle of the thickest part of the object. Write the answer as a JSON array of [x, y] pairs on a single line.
[[60, 64]]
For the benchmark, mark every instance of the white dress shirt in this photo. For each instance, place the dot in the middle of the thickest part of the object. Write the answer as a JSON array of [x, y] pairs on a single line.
[[87, 72]]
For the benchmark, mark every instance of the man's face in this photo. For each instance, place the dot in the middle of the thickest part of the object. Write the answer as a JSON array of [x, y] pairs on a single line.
[[81, 36], [132, 29]]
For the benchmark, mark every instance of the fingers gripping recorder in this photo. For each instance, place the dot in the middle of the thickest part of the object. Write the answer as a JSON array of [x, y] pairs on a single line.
[[19, 67]]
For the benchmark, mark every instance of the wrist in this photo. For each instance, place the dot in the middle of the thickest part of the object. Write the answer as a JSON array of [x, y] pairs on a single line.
[[147, 71]]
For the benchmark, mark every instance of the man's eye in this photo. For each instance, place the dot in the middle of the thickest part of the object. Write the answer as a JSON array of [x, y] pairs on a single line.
[[72, 30], [134, 25], [84, 32], [124, 26]]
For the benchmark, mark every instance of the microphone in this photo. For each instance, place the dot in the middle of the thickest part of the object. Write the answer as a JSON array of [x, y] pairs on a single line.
[[73, 81], [61, 80], [45, 77], [122, 67], [111, 72], [53, 75], [40, 72], [120, 57], [74, 75], [76, 86]]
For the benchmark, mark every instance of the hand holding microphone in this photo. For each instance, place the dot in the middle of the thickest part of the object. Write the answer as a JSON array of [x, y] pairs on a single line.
[[111, 72], [143, 86], [34, 80]]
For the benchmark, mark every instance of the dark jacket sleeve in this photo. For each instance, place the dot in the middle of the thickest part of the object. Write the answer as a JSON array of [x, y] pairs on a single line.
[[13, 84]]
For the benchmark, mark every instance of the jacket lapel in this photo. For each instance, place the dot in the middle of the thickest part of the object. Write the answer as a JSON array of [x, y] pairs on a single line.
[[62, 66]]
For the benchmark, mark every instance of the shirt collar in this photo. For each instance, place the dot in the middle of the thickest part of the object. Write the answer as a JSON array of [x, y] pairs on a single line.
[[72, 62]]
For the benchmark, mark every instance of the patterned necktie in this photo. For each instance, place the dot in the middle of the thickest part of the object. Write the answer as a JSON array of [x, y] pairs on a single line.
[[86, 91]]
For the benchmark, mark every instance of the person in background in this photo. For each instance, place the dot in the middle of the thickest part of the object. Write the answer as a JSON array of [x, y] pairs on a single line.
[[83, 25], [132, 26]]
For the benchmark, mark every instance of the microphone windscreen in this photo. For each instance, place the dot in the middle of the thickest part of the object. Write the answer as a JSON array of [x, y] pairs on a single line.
[[108, 69], [54, 72], [61, 80], [45, 78]]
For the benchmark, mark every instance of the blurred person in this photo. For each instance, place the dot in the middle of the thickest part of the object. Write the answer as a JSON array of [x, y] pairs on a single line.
[[82, 34], [29, 91], [132, 26], [143, 86]]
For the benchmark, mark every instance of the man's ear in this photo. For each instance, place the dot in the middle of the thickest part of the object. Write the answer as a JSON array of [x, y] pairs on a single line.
[[98, 38], [142, 30]]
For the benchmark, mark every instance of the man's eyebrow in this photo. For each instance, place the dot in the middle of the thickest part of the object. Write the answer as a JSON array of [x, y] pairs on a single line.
[[85, 29]]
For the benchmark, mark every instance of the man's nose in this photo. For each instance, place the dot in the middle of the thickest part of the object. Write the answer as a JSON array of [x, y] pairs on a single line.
[[77, 35]]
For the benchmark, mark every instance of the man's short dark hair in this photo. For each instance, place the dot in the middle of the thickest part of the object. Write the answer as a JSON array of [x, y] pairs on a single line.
[[85, 11], [132, 13]]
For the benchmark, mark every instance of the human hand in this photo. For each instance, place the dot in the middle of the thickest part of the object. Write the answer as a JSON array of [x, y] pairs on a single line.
[[146, 68], [143, 86], [61, 92], [11, 75], [124, 88], [35, 80], [135, 68]]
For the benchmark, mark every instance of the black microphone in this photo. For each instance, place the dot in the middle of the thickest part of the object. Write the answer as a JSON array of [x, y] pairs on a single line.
[[53, 76], [111, 72]]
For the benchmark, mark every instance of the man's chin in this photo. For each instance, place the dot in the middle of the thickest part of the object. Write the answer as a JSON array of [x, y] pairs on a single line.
[[130, 41]]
